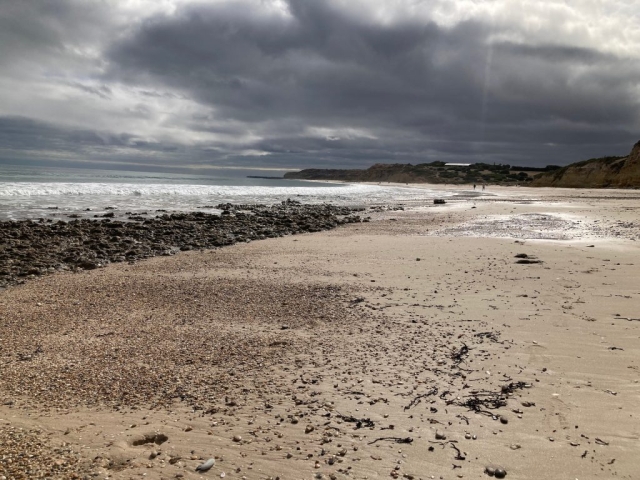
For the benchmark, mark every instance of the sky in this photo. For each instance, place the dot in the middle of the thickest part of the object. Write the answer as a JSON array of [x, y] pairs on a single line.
[[193, 85]]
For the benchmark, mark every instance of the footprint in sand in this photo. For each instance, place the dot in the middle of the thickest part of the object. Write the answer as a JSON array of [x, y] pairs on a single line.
[[537, 354], [555, 416]]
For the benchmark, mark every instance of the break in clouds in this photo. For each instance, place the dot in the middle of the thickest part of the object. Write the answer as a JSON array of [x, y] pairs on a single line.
[[297, 83]]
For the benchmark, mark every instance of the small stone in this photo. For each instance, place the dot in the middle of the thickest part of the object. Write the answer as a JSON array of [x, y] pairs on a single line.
[[500, 472], [440, 435], [467, 436], [309, 429], [203, 467], [504, 420], [237, 438]]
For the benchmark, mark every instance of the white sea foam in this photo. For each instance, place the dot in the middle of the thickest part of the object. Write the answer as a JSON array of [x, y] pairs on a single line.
[[24, 189], [36, 199]]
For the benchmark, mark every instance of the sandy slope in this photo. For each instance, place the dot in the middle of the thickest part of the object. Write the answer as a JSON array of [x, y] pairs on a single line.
[[263, 354]]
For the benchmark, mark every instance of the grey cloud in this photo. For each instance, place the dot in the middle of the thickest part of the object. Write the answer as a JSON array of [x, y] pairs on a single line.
[[407, 90], [102, 91], [323, 67], [18, 134]]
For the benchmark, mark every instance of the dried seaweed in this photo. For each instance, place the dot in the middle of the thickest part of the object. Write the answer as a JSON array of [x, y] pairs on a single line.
[[418, 399], [393, 439], [483, 401], [360, 422]]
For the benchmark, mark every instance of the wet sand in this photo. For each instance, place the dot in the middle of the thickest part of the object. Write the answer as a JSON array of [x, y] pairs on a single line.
[[414, 346]]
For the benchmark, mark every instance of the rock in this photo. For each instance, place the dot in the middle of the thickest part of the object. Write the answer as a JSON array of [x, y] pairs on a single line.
[[309, 429], [90, 244], [500, 472], [157, 438], [440, 435], [237, 438], [504, 420], [203, 467]]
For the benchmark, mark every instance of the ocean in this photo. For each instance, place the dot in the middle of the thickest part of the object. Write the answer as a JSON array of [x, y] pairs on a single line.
[[66, 193]]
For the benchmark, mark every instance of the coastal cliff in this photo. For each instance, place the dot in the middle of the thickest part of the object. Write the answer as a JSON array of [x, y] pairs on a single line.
[[611, 172], [435, 172], [620, 172]]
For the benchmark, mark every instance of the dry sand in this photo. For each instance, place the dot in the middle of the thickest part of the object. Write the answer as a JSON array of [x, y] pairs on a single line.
[[341, 354]]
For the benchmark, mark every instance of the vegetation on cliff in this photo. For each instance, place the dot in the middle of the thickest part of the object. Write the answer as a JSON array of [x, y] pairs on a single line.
[[620, 172], [434, 172]]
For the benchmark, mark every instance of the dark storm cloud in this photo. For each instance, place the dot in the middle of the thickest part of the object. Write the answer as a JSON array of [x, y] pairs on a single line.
[[324, 67], [318, 85]]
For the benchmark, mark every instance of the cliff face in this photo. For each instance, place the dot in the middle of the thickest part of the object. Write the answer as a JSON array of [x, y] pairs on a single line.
[[377, 173], [435, 172], [621, 172]]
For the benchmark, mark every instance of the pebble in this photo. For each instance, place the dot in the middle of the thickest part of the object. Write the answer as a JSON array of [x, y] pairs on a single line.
[[440, 435], [203, 467]]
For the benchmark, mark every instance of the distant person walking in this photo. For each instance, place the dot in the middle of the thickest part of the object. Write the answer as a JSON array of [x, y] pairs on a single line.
[[474, 186]]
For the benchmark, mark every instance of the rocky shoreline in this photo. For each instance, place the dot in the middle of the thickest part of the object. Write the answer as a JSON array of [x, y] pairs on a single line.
[[29, 249]]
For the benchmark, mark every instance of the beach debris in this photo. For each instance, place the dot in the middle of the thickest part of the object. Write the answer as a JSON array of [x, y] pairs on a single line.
[[459, 455], [360, 422], [393, 439], [203, 467], [439, 201], [528, 261], [480, 401], [493, 336], [513, 386], [418, 398]]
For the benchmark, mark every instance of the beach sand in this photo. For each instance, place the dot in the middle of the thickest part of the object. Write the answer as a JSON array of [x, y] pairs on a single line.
[[414, 346]]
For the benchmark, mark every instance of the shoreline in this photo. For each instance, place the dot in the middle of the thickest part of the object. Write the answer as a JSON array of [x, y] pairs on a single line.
[[342, 354]]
